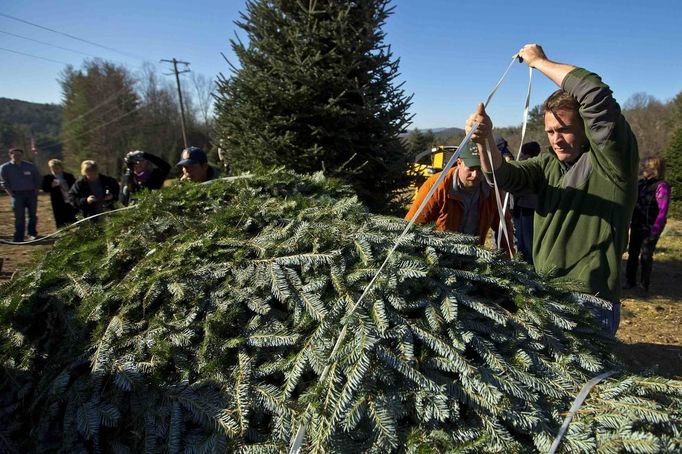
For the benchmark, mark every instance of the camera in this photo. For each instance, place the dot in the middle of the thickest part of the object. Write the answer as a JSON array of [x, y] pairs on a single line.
[[132, 158]]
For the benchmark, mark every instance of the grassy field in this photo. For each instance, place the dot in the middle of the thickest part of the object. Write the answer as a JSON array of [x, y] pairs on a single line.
[[651, 323]]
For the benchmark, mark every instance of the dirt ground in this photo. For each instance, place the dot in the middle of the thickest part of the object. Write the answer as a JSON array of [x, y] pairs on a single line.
[[651, 322]]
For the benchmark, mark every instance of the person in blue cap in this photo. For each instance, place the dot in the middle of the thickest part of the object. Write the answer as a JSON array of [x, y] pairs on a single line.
[[194, 166]]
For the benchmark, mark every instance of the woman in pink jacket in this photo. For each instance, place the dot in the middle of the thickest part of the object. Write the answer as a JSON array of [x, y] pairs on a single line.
[[648, 220]]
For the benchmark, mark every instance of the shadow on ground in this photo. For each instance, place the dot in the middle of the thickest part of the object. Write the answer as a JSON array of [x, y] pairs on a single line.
[[666, 278], [662, 359]]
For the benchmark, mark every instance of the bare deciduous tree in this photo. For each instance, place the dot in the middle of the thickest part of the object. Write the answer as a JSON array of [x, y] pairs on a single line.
[[160, 122], [204, 89], [650, 121]]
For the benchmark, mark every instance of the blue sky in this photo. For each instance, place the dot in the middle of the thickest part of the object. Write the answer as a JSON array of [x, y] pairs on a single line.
[[451, 53]]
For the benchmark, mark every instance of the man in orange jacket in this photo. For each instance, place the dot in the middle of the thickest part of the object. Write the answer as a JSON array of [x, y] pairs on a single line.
[[464, 202]]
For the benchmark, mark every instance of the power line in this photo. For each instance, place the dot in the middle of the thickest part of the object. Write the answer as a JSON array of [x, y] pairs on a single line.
[[34, 56], [92, 43], [46, 44]]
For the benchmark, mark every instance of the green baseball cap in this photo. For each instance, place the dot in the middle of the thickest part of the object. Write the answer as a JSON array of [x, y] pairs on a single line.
[[470, 156]]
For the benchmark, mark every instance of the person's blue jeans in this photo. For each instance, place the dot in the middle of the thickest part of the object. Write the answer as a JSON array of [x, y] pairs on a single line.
[[523, 232], [21, 202], [610, 319]]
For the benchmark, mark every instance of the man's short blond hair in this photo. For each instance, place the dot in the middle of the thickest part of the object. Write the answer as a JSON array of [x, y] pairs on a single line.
[[55, 163], [88, 165]]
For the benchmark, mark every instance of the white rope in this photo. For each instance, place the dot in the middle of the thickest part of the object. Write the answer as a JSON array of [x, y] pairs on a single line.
[[525, 111], [297, 441], [518, 154], [577, 403], [500, 209], [70, 226]]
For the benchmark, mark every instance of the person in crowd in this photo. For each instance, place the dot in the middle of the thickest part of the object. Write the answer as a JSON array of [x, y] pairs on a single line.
[[21, 180], [586, 186], [223, 157], [58, 183], [143, 171], [93, 192], [523, 211], [464, 202], [194, 166], [503, 148], [648, 221]]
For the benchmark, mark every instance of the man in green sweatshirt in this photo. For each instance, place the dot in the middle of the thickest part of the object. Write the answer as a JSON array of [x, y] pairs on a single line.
[[586, 184]]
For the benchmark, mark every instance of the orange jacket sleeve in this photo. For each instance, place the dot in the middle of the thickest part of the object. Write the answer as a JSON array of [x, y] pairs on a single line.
[[432, 210]]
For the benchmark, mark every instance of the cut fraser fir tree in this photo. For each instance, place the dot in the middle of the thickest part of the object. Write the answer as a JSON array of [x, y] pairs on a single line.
[[316, 89], [202, 320]]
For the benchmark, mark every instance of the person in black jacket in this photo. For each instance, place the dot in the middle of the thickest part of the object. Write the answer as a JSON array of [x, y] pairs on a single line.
[[648, 220], [140, 174], [93, 192], [57, 183]]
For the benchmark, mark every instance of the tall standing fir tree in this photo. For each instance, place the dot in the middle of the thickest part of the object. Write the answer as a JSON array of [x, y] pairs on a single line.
[[316, 89], [100, 116]]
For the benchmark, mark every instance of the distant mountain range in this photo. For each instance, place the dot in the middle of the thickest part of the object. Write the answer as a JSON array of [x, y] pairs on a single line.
[[438, 132], [40, 119]]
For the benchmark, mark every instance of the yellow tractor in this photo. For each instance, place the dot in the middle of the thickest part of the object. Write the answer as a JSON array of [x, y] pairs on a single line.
[[430, 162]]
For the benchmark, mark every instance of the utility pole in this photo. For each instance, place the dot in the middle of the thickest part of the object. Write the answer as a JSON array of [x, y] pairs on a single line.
[[177, 81]]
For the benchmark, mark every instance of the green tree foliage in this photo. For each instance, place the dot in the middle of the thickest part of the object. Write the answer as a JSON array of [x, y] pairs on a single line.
[[673, 161], [203, 320], [673, 155], [535, 131], [316, 90], [100, 114], [418, 141], [449, 136]]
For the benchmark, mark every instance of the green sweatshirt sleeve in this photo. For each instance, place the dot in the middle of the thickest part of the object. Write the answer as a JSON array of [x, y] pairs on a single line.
[[612, 143], [521, 177]]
